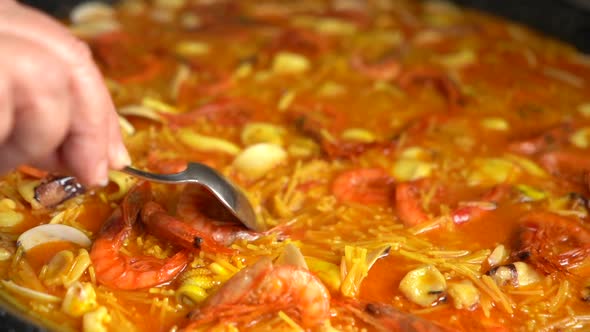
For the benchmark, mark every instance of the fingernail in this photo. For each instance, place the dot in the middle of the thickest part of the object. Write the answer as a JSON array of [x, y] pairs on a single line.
[[101, 174], [122, 158]]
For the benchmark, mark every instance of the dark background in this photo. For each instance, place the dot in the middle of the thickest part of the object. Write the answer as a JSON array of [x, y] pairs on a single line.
[[567, 20]]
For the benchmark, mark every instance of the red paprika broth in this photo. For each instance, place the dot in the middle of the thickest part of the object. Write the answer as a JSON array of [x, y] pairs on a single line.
[[429, 163]]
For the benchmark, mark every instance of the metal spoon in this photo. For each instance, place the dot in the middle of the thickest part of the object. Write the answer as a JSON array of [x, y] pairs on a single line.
[[226, 192]]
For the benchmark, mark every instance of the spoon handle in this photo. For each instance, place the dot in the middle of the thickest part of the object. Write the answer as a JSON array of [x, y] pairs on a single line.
[[162, 178]]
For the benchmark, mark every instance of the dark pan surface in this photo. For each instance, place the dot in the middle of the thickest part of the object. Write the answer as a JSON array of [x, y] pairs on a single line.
[[568, 21], [59, 8]]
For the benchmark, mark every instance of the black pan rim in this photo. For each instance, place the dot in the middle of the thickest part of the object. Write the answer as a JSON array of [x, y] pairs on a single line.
[[565, 20]]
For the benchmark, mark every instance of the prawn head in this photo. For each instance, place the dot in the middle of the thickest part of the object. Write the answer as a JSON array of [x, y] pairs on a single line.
[[264, 288]]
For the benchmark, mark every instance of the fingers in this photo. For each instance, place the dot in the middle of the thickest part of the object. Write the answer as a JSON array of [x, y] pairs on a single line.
[[86, 149], [37, 104], [93, 143], [93, 101], [6, 102], [118, 155]]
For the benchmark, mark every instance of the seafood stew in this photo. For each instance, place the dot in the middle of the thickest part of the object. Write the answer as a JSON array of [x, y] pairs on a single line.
[[416, 166]]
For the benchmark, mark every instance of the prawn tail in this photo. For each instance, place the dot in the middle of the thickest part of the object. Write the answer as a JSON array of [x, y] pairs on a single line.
[[174, 265], [137, 197], [493, 197], [114, 229], [573, 258]]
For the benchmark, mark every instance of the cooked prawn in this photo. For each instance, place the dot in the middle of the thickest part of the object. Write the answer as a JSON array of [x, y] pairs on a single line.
[[411, 211], [316, 120], [263, 289], [159, 222], [301, 41], [572, 165], [552, 242], [115, 50], [550, 138], [312, 118], [441, 81], [348, 150], [419, 128], [209, 218], [151, 68], [224, 111], [554, 152], [168, 166], [408, 204], [111, 48], [212, 83], [365, 186], [117, 270], [467, 213], [384, 317], [384, 70]]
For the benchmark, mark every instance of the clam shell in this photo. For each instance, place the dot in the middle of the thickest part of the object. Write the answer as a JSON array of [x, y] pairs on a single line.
[[52, 233]]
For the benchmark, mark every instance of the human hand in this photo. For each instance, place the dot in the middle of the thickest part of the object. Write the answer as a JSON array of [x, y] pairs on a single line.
[[55, 110]]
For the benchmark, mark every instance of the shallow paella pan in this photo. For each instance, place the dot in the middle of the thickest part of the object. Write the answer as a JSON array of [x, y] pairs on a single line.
[[565, 20]]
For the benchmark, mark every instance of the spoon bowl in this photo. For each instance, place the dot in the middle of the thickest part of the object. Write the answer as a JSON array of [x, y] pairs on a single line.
[[228, 194]]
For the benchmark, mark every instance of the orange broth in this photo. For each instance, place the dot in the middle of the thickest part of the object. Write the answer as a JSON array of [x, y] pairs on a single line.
[[454, 140]]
